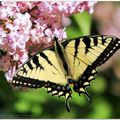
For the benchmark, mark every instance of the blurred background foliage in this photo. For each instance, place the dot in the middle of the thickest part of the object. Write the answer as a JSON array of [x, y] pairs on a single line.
[[104, 90]]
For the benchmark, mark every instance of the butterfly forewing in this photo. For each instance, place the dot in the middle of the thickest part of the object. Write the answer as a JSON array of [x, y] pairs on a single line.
[[44, 66], [83, 51]]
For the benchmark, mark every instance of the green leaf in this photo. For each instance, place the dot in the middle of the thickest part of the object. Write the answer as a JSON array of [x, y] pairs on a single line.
[[98, 85], [80, 26], [36, 110], [101, 109], [33, 95], [79, 100], [22, 106]]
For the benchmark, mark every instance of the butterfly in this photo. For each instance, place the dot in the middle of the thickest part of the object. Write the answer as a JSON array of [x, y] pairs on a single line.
[[67, 66]]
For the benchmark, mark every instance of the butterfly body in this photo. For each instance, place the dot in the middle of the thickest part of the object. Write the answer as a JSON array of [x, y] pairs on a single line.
[[71, 63]]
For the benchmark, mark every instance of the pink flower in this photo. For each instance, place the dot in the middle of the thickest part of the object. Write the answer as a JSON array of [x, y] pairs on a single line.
[[11, 72], [24, 6], [8, 9], [28, 27]]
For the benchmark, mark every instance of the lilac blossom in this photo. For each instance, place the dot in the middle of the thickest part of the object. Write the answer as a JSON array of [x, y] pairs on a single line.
[[27, 27]]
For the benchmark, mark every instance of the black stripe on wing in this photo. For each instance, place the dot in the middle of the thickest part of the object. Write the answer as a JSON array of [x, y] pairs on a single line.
[[95, 40], [49, 62], [86, 41], [21, 81], [60, 52], [30, 65], [77, 42], [45, 57], [113, 46], [36, 62]]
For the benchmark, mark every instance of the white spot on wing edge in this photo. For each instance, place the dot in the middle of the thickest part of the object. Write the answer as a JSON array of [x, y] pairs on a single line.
[[21, 83], [54, 92], [60, 93], [17, 82], [25, 83], [13, 81], [49, 89]]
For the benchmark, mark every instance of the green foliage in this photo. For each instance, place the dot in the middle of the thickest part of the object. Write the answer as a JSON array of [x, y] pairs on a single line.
[[80, 26], [36, 103], [101, 109], [99, 85]]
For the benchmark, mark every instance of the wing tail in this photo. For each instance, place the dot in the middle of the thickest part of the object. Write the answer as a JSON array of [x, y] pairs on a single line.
[[67, 98]]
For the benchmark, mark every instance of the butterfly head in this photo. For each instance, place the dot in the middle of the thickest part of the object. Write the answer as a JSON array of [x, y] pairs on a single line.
[[71, 82]]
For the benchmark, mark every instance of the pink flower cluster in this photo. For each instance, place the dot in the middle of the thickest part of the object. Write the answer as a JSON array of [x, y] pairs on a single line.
[[26, 27]]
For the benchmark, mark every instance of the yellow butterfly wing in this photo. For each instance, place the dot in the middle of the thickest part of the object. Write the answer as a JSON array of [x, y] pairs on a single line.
[[42, 67], [88, 51]]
